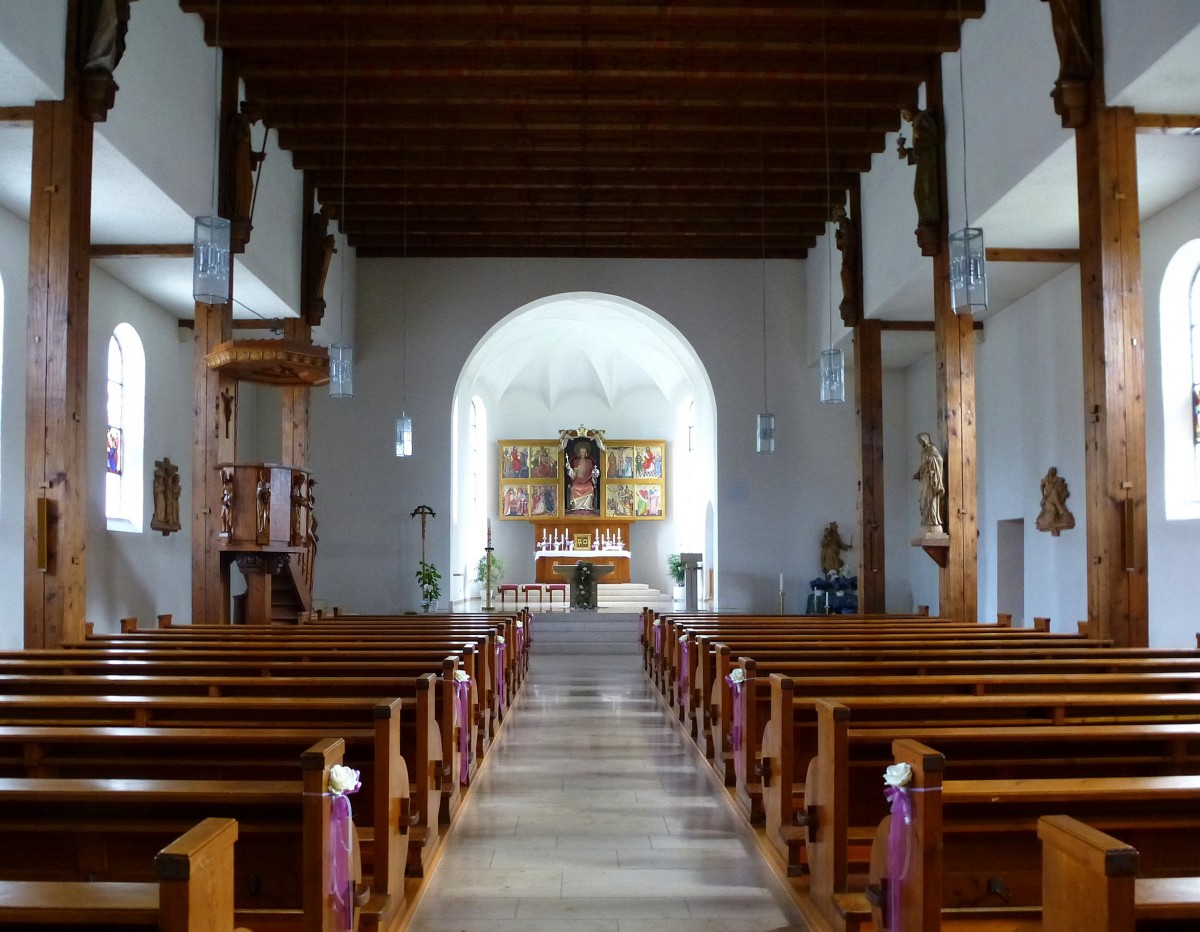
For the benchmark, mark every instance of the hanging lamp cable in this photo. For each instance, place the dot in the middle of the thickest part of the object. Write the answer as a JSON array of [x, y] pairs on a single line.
[[216, 103], [828, 171], [962, 101], [342, 217], [762, 219]]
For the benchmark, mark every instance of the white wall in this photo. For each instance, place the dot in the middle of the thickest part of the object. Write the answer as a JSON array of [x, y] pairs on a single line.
[[772, 507], [14, 273], [139, 574], [1029, 417], [1173, 583]]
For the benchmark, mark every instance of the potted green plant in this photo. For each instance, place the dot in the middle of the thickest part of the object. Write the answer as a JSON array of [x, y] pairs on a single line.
[[676, 570], [428, 578], [481, 569]]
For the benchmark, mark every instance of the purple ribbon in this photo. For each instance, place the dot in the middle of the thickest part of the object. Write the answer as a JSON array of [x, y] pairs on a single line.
[[684, 672], [897, 849], [462, 713], [658, 640], [500, 645], [341, 887], [739, 716]]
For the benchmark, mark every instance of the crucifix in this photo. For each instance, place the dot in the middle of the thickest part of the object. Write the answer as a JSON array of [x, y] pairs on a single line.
[[425, 512]]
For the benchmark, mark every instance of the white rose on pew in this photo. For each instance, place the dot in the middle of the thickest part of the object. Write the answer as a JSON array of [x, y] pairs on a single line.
[[499, 638], [683, 638], [737, 675], [658, 622], [520, 623], [898, 775], [342, 779], [462, 676]]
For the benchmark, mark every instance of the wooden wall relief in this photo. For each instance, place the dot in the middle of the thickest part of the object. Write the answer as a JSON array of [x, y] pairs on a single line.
[[1054, 516], [166, 490]]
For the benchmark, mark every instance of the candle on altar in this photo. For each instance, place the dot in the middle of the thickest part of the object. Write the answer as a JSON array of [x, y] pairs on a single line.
[[781, 582]]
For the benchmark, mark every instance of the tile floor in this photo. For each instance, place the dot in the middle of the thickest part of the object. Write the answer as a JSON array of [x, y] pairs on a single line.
[[594, 814]]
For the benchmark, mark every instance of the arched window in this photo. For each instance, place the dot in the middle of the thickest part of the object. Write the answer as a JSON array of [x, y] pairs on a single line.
[[477, 490], [124, 429], [687, 470]]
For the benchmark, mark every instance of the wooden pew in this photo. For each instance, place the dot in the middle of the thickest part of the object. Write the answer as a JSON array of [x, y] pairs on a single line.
[[1090, 881], [842, 792], [109, 830], [368, 725], [980, 677], [193, 893], [787, 751], [967, 837]]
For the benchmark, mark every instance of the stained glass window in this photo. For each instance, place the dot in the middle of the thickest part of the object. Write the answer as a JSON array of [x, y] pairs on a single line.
[[124, 428], [1194, 322]]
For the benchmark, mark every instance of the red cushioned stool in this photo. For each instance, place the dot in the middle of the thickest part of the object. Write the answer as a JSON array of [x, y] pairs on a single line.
[[505, 589], [532, 587], [557, 587]]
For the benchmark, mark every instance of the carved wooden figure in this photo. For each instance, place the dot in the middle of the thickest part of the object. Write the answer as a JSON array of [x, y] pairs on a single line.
[[847, 242], [263, 505], [1054, 516], [166, 497], [925, 153], [1071, 21], [321, 246], [103, 25], [226, 502]]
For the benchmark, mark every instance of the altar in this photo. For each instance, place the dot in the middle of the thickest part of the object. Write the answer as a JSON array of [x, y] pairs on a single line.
[[601, 541], [568, 572], [617, 562]]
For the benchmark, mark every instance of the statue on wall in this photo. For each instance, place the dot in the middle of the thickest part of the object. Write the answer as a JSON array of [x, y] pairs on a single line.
[[847, 242], [320, 246], [930, 473], [226, 502], [1054, 515], [103, 25], [1071, 21], [831, 549], [166, 497], [243, 163], [925, 153]]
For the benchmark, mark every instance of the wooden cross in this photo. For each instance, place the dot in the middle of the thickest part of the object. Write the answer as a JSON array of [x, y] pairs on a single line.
[[425, 512]]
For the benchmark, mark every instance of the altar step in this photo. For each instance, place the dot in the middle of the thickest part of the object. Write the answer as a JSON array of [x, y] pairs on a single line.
[[633, 595]]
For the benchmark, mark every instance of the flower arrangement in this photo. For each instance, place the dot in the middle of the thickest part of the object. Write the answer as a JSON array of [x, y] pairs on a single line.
[[583, 584], [736, 675], [343, 780], [898, 775]]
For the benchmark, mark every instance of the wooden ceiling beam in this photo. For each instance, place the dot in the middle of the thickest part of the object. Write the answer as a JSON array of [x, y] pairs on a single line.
[[247, 12]]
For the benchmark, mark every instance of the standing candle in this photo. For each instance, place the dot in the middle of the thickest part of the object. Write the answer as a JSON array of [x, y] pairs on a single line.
[[489, 530], [781, 582]]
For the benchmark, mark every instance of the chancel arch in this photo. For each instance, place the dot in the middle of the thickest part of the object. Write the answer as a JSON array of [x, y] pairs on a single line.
[[599, 361]]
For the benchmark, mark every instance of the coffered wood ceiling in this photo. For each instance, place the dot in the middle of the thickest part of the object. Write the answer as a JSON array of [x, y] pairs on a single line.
[[678, 129]]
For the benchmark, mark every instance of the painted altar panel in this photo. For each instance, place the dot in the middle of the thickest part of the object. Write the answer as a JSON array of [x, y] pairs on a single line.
[[589, 477]]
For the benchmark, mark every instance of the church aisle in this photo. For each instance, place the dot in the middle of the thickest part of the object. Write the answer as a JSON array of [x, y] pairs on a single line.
[[594, 814]]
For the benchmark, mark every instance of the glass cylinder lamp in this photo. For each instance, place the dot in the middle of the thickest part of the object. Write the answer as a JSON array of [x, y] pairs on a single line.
[[833, 377], [341, 370], [210, 260], [766, 433], [404, 434], [968, 271]]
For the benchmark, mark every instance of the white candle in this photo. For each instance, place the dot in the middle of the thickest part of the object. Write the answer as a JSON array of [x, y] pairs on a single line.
[[781, 582]]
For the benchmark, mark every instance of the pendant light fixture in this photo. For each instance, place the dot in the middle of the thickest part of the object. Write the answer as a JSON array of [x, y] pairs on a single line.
[[833, 361], [968, 259], [210, 237], [765, 423], [404, 424], [341, 353]]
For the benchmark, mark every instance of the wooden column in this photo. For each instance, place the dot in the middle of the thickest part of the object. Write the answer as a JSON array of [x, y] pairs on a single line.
[[56, 439], [294, 406], [954, 356], [868, 391], [214, 441], [1114, 377]]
